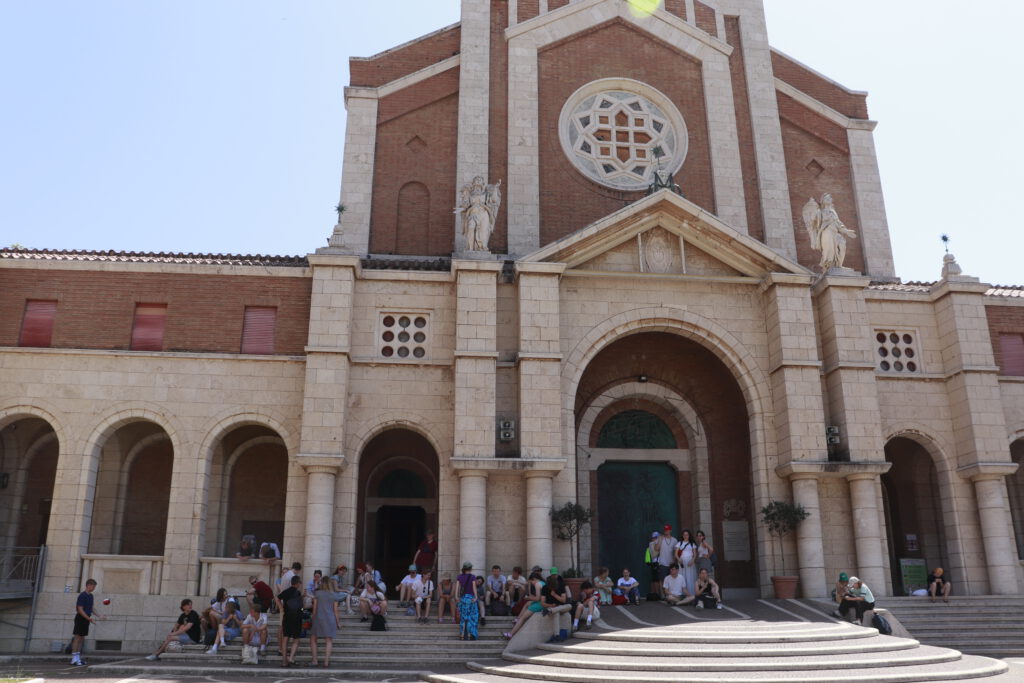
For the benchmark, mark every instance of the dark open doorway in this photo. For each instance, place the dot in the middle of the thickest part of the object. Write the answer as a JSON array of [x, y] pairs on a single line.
[[399, 530]]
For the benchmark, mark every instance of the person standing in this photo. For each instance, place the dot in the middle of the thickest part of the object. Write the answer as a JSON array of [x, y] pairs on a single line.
[[686, 553], [325, 621], [84, 615], [665, 549], [290, 603], [425, 554]]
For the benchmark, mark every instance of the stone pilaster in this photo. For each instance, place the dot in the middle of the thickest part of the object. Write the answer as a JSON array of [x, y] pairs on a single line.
[[539, 544], [994, 516], [867, 192], [321, 472], [795, 369], [475, 357], [185, 523], [809, 547], [473, 518], [867, 531], [324, 409], [474, 99], [848, 353], [352, 233], [539, 360], [67, 537]]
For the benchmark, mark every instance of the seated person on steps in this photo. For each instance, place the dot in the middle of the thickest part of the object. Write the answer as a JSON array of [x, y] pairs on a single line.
[[707, 591], [938, 582], [674, 586]]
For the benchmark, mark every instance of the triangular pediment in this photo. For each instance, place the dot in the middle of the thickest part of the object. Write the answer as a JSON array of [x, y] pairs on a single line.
[[665, 233]]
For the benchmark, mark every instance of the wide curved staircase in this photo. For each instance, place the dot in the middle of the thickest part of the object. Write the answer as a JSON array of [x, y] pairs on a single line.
[[734, 652]]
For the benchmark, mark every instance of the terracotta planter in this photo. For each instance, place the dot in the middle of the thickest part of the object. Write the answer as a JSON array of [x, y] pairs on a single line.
[[574, 586], [785, 586]]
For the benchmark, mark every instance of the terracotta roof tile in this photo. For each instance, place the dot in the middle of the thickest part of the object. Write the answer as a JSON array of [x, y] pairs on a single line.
[[152, 257], [1015, 291]]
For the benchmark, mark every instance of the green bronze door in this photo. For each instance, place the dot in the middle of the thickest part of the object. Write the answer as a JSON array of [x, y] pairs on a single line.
[[633, 499]]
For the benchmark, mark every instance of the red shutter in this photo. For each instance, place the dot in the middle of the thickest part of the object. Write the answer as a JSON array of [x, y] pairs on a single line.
[[258, 329], [1012, 346], [148, 327], [37, 325]]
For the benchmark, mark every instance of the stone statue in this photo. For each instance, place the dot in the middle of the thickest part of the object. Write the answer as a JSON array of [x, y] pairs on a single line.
[[828, 234], [478, 205]]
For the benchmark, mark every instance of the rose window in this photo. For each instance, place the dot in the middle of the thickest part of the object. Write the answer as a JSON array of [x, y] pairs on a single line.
[[620, 139]]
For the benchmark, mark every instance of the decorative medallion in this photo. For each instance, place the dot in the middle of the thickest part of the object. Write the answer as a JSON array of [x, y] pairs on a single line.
[[619, 132]]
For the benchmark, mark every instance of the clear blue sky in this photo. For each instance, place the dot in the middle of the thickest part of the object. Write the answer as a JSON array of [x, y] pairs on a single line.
[[218, 126]]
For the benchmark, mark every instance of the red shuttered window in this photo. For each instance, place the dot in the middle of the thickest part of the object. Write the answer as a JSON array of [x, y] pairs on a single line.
[[148, 327], [37, 325], [1012, 347], [258, 329]]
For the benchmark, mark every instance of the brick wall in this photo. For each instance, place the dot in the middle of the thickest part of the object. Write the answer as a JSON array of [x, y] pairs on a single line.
[[401, 61], [1002, 320], [417, 129], [95, 309], [568, 200], [853, 105], [708, 386], [818, 161], [705, 18]]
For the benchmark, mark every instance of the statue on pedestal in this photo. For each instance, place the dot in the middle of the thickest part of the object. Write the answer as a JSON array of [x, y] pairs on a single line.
[[478, 206], [827, 232]]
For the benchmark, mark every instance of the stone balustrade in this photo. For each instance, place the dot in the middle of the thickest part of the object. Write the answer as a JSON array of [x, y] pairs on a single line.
[[233, 574], [124, 574]]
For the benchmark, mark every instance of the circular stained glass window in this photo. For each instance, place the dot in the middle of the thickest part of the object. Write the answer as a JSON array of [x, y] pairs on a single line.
[[620, 132]]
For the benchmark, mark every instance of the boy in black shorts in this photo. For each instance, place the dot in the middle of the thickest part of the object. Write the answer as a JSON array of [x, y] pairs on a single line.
[[84, 615]]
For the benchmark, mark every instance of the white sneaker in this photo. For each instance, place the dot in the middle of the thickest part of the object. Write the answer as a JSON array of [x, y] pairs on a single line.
[[700, 605], [719, 606], [212, 650], [153, 658]]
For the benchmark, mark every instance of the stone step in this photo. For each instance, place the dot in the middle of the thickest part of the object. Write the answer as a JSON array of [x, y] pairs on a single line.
[[643, 649], [965, 668], [684, 661], [162, 670], [736, 634]]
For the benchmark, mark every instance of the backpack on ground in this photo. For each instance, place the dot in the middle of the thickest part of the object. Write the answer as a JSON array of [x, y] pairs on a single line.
[[250, 654], [653, 597], [882, 624], [708, 601], [518, 607], [378, 623], [499, 609]]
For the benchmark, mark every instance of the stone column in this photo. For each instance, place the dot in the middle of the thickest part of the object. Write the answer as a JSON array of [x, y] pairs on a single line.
[[866, 529], [352, 233], [473, 518], [994, 516], [538, 521], [320, 478], [810, 551]]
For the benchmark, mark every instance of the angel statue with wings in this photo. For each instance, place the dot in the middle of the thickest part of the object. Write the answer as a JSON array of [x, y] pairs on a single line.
[[827, 232], [478, 205]]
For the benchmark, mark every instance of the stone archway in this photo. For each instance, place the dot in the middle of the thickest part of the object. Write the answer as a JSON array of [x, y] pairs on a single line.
[[29, 449], [699, 399], [398, 500], [1015, 490], [915, 526]]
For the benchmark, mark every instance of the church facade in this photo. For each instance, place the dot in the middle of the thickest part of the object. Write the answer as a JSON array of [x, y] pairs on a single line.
[[635, 261]]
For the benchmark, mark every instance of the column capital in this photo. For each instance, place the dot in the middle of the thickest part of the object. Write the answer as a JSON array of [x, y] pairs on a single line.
[[542, 466], [471, 473], [981, 471], [807, 469], [321, 462]]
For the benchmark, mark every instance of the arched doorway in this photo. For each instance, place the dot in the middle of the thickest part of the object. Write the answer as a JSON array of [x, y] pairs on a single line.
[[913, 514], [1015, 490], [28, 470], [398, 484], [677, 424], [133, 491], [248, 489]]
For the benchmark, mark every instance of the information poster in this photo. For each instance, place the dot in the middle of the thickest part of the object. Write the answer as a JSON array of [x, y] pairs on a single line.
[[914, 573]]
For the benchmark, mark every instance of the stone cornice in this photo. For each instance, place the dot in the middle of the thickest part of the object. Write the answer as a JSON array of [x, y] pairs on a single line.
[[544, 465], [321, 462], [804, 469], [980, 471]]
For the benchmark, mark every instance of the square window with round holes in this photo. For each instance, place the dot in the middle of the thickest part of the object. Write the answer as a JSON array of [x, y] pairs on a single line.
[[403, 336], [897, 351]]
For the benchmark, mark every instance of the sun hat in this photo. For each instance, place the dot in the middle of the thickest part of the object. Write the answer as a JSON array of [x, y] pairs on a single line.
[[668, 527], [554, 570], [843, 576], [467, 565], [412, 567], [654, 534]]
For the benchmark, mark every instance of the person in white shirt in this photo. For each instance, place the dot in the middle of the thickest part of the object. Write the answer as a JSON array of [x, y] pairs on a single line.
[[269, 551], [407, 587], [495, 586], [254, 628], [424, 594], [676, 592], [515, 586], [628, 587]]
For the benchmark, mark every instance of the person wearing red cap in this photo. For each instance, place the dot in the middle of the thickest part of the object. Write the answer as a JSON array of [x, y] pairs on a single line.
[[665, 547]]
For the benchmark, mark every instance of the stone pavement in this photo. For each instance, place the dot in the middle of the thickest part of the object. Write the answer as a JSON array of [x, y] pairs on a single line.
[[638, 630]]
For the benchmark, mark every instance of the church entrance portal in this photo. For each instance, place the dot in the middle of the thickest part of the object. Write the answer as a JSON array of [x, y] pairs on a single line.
[[398, 474]]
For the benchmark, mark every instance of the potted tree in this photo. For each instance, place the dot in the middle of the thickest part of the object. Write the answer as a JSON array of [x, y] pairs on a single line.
[[782, 518], [568, 522]]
